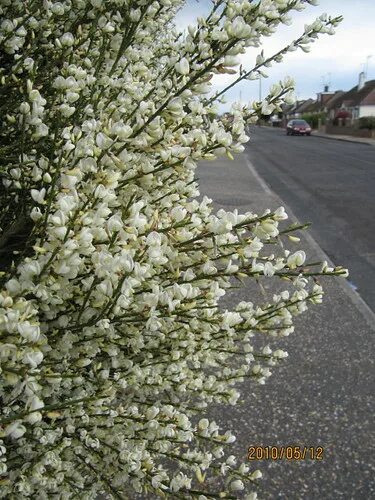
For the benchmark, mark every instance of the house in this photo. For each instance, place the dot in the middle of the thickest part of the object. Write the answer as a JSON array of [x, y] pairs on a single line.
[[296, 110], [313, 108], [357, 103], [331, 105], [323, 102], [301, 107]]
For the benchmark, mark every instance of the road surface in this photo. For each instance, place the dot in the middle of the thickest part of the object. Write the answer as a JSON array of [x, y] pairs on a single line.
[[330, 184], [323, 395]]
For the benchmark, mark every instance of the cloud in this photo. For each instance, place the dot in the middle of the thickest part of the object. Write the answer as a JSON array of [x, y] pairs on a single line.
[[189, 13], [342, 55]]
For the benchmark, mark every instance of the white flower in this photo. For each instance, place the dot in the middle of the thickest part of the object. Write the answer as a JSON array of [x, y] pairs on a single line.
[[156, 481], [29, 332], [67, 39], [179, 481], [121, 130], [114, 223], [269, 227], [25, 108], [15, 430], [33, 358], [67, 110], [257, 267], [183, 66], [115, 299], [57, 9], [280, 214], [239, 28], [36, 214], [229, 438], [203, 424], [178, 213], [296, 259], [66, 203], [38, 196], [289, 99], [251, 496], [237, 485], [267, 108], [13, 286], [279, 353], [254, 247], [268, 269], [153, 238], [34, 95], [103, 141], [256, 475], [135, 14], [34, 417], [72, 97], [68, 181], [35, 403], [266, 350]]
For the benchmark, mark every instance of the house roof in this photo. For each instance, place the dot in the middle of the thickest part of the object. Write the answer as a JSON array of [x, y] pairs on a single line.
[[355, 97], [302, 105], [317, 105], [312, 107], [287, 108], [332, 103]]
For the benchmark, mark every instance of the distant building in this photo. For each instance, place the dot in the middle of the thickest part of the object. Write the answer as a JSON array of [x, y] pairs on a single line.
[[297, 109], [324, 101], [331, 105], [337, 106], [358, 102], [324, 97]]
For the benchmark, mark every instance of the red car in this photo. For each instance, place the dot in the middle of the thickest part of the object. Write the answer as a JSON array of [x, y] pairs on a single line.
[[298, 127]]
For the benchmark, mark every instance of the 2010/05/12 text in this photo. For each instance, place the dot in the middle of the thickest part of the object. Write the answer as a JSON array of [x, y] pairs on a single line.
[[285, 452]]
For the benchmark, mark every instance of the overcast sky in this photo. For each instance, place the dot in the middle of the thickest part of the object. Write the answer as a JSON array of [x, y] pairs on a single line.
[[334, 59]]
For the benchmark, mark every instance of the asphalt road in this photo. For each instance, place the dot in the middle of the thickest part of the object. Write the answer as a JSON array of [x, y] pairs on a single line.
[[331, 184], [323, 395]]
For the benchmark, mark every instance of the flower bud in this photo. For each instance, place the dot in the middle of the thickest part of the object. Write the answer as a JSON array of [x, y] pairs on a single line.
[[67, 40]]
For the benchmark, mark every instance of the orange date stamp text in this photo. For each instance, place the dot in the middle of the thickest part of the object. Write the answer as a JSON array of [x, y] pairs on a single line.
[[285, 453]]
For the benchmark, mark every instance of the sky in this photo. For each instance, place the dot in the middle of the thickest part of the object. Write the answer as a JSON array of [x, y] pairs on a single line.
[[335, 60]]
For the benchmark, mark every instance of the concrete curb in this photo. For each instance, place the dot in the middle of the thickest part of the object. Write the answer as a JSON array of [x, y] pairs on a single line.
[[357, 300]]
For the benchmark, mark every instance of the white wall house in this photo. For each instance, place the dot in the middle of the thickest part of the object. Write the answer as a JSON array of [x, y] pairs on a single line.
[[358, 102], [366, 110]]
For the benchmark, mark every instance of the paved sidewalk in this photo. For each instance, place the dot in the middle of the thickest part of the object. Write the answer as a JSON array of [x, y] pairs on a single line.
[[347, 138], [336, 137], [323, 395]]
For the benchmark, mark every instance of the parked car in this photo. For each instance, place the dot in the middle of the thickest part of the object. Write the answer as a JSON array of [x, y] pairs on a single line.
[[298, 127]]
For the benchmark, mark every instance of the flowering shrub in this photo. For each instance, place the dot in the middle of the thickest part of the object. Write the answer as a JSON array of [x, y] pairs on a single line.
[[112, 341]]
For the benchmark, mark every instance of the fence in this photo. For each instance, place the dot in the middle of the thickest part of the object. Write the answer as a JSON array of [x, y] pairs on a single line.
[[347, 130]]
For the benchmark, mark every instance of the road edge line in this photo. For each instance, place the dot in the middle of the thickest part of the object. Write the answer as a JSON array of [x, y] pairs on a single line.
[[261, 181], [362, 306]]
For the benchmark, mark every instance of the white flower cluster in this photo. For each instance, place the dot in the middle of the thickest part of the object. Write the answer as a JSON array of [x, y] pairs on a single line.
[[111, 339]]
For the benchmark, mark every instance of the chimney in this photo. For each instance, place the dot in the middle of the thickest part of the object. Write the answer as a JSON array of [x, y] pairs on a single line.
[[361, 81], [326, 88]]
